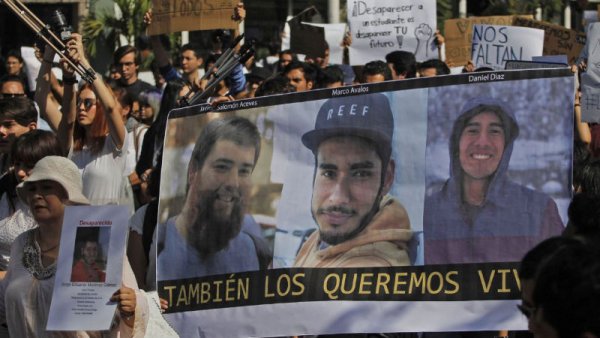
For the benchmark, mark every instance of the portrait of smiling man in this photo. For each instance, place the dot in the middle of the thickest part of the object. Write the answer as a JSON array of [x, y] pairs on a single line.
[[359, 223], [479, 214]]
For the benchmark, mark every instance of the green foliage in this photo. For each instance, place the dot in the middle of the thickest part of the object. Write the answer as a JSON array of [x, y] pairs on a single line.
[[105, 29]]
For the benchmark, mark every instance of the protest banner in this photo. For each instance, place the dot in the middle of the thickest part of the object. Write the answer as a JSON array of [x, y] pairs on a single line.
[[558, 40], [190, 15], [494, 45], [590, 79], [459, 35], [383, 26], [364, 168], [90, 267]]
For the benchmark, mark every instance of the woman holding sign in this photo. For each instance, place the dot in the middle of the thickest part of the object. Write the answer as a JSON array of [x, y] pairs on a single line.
[[26, 292]]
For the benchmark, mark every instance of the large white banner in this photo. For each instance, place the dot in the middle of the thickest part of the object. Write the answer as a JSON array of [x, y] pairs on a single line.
[[494, 45], [379, 27], [358, 194]]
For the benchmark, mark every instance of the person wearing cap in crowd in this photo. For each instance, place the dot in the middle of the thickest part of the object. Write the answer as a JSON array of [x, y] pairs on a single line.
[[479, 214], [359, 223], [53, 184]]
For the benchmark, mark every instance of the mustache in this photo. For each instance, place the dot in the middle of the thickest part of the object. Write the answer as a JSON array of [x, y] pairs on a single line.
[[227, 194], [337, 209]]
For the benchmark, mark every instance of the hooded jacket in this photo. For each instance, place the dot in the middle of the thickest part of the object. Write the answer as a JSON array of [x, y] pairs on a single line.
[[383, 243], [511, 220]]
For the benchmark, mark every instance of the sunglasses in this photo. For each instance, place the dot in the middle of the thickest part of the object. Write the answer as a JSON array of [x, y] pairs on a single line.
[[527, 311], [87, 103], [12, 96]]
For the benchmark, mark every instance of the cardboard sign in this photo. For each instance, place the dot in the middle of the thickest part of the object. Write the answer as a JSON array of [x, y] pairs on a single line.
[[494, 45], [558, 40], [458, 34], [190, 15], [383, 26]]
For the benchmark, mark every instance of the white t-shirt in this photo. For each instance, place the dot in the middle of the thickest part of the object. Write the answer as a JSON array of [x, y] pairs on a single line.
[[103, 173], [12, 226]]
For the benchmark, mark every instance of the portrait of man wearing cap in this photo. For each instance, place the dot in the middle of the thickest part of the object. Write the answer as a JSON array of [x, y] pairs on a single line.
[[359, 223], [479, 214]]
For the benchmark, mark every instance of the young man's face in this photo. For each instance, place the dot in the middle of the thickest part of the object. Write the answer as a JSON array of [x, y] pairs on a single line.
[[13, 65], [10, 130], [481, 146], [297, 79], [189, 62], [89, 252], [226, 175], [128, 68], [285, 59], [346, 186]]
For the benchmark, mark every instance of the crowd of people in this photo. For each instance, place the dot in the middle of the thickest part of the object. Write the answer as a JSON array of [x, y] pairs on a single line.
[[72, 142]]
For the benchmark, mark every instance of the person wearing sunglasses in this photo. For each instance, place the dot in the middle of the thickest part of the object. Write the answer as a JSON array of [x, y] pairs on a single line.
[[90, 129]]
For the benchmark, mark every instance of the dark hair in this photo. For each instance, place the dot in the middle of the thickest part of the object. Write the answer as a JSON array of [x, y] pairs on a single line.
[[124, 50], [278, 84], [310, 73], [16, 54], [125, 99], [535, 257], [194, 48], [581, 156], [30, 148], [236, 129], [567, 289], [20, 109], [441, 68], [590, 178], [331, 74], [153, 140], [403, 62], [376, 67], [12, 78], [584, 216]]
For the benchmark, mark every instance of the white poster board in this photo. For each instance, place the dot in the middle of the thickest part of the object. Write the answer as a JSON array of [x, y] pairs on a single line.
[[382, 26], [590, 79], [90, 267], [494, 45]]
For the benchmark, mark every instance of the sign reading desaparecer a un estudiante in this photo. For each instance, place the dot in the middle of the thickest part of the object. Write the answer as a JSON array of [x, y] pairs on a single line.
[[382, 26]]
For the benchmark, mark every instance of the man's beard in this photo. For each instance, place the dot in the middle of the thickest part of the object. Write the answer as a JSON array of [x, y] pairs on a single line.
[[209, 231], [333, 238]]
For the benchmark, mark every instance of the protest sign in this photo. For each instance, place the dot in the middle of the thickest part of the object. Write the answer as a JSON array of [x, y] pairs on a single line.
[[383, 26], [459, 34], [494, 45], [373, 160], [189, 15], [90, 267], [590, 79], [334, 34], [306, 39], [558, 40]]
